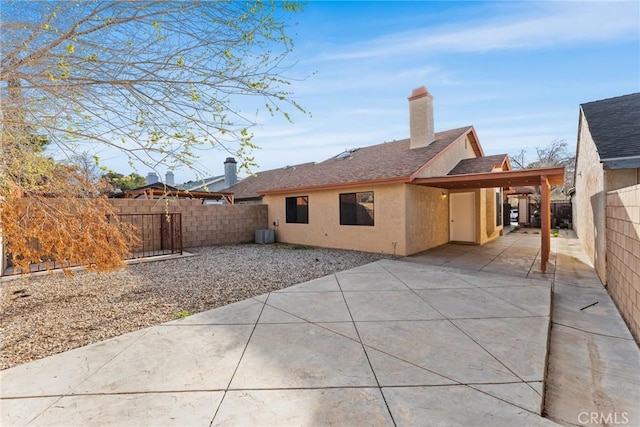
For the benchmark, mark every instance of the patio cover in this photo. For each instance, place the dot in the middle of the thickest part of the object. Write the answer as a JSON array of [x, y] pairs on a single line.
[[542, 177]]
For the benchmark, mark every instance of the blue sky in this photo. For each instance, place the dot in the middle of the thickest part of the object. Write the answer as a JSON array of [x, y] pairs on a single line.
[[517, 71]]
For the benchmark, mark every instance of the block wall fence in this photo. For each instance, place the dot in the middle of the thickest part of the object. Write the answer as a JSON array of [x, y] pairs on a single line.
[[204, 225], [623, 253]]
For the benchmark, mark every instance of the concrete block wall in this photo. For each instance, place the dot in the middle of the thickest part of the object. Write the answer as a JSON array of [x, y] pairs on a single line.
[[204, 225], [623, 253]]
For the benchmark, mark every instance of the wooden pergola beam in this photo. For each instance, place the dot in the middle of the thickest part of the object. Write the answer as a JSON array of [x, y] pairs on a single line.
[[519, 178], [545, 222]]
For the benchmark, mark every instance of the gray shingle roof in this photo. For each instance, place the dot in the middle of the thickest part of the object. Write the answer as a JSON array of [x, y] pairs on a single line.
[[614, 124]]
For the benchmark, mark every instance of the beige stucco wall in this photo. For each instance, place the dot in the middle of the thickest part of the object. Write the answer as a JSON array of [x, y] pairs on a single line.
[[492, 230], [387, 235], [623, 253], [486, 216], [621, 178], [407, 219], [427, 213], [589, 222], [448, 158]]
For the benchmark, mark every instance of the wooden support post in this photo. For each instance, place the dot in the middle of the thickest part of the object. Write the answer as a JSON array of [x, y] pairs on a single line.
[[545, 219]]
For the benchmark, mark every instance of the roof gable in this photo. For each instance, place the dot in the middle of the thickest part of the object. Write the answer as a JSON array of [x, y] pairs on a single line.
[[614, 125], [479, 164]]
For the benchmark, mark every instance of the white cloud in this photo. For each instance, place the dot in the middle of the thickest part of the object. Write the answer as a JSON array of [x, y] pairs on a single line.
[[543, 25]]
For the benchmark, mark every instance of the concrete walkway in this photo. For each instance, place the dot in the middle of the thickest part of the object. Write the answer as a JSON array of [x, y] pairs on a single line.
[[455, 336]]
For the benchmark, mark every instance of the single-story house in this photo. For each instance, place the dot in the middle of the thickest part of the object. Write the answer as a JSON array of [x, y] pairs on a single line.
[[399, 197], [607, 158]]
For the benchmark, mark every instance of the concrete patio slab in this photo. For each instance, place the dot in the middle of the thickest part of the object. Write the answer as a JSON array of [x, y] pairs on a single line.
[[393, 371], [160, 409], [20, 412], [513, 342], [62, 373], [523, 395], [378, 281], [324, 352], [455, 406], [301, 355], [171, 358], [437, 346], [470, 303], [593, 373], [323, 407], [575, 308], [323, 284], [535, 300], [311, 306], [240, 313], [388, 305]]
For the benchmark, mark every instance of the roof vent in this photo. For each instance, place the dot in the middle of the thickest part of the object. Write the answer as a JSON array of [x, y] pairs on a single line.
[[346, 153]]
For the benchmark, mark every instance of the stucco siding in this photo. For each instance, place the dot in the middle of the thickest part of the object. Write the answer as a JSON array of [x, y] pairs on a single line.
[[621, 178], [447, 159], [387, 235], [590, 200], [427, 213]]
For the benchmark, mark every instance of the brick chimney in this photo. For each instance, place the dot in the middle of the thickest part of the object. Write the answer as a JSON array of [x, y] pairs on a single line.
[[230, 172], [421, 118]]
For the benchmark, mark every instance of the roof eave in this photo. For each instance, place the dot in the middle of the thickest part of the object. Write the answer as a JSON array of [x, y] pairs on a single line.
[[621, 163], [555, 176]]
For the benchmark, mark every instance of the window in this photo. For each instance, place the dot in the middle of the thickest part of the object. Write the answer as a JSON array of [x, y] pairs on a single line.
[[297, 209], [356, 208]]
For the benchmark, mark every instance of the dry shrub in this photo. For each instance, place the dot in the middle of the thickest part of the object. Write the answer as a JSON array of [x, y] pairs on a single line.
[[69, 227]]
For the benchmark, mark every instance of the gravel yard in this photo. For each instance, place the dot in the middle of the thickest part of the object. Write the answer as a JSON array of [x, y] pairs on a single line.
[[45, 315]]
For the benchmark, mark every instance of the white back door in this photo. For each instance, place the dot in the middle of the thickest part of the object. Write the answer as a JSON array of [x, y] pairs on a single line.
[[462, 208]]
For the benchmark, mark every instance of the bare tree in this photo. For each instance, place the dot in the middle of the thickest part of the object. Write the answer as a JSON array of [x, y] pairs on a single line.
[[155, 80], [556, 153]]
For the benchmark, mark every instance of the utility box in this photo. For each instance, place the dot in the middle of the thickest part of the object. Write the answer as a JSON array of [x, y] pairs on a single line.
[[264, 237]]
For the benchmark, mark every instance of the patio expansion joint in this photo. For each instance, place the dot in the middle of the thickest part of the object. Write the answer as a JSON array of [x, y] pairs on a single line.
[[375, 376], [464, 332], [61, 396], [235, 370], [593, 333]]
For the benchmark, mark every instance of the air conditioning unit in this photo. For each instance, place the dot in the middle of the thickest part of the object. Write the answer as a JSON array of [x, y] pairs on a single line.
[[265, 237]]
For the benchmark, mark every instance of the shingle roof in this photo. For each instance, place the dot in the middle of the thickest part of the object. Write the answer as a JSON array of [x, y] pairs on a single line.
[[374, 163], [477, 165], [614, 124], [249, 187]]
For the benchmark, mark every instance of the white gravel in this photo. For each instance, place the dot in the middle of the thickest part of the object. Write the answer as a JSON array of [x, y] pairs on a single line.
[[45, 315]]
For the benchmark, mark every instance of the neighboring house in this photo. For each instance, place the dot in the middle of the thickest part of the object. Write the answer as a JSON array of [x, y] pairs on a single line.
[[368, 198], [607, 158], [158, 190], [215, 183]]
